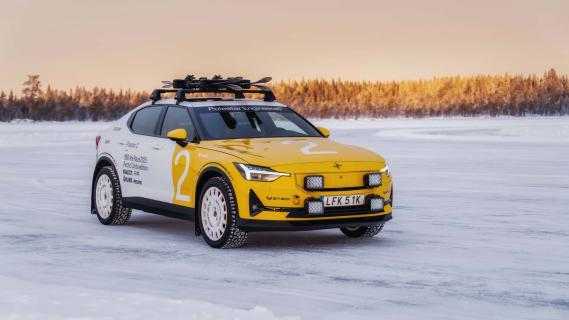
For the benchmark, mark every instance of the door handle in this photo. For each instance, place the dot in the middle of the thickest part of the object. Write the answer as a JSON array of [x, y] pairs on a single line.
[[122, 143], [157, 147]]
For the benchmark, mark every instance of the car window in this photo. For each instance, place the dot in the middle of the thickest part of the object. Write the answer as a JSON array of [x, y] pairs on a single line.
[[177, 118], [145, 120], [283, 123]]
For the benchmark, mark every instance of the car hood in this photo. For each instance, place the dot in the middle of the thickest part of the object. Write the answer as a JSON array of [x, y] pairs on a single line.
[[272, 152]]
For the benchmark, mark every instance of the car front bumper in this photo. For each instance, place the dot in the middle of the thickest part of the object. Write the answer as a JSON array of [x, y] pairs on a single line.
[[305, 225], [283, 204]]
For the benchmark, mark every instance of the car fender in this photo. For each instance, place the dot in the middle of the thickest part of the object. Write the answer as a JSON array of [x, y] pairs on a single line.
[[103, 160], [208, 171]]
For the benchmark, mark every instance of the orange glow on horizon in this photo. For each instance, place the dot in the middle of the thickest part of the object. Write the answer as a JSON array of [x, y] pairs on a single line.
[[134, 44]]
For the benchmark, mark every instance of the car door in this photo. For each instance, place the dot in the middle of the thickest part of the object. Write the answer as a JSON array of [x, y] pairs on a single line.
[[176, 179], [141, 159]]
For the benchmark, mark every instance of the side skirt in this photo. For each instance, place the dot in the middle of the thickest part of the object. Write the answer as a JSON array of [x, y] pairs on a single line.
[[158, 207]]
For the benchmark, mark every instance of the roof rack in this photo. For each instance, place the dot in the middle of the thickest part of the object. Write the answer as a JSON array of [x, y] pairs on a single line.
[[234, 85]]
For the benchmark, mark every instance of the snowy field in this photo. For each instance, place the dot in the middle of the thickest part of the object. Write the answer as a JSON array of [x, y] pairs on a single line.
[[480, 231]]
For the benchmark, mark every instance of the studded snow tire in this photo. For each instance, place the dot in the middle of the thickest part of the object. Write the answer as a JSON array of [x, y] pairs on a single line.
[[109, 211], [232, 236], [363, 232]]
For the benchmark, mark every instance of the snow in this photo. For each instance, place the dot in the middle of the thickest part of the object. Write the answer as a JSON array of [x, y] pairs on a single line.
[[480, 231]]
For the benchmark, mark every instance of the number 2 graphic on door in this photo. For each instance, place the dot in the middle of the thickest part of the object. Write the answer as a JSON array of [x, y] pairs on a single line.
[[180, 170]]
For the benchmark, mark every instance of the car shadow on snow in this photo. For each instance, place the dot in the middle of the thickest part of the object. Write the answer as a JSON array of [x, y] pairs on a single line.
[[158, 224], [321, 239], [184, 230]]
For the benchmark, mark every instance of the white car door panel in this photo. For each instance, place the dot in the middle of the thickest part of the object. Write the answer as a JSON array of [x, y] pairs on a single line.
[[137, 167], [140, 160], [160, 154], [177, 164], [148, 159]]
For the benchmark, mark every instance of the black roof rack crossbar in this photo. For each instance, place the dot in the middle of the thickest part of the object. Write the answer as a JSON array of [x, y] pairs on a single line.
[[181, 93], [235, 85]]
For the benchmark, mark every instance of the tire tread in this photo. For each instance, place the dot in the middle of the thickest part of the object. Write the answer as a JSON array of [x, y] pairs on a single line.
[[119, 215], [236, 237], [363, 232]]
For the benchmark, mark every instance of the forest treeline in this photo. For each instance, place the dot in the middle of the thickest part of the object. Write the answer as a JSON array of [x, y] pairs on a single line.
[[512, 95]]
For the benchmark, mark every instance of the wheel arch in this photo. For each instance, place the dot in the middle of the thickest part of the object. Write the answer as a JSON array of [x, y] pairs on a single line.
[[211, 171], [103, 161]]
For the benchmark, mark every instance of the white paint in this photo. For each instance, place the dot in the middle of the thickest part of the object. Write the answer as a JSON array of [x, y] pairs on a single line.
[[214, 213], [104, 196], [309, 146], [186, 154]]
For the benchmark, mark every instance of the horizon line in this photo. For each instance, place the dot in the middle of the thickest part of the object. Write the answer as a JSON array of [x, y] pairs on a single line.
[[303, 79]]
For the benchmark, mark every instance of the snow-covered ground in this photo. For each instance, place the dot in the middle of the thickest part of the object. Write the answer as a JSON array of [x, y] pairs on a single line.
[[480, 231]]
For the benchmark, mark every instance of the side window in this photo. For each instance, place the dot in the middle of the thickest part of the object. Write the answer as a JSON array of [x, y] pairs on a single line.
[[177, 118], [145, 120]]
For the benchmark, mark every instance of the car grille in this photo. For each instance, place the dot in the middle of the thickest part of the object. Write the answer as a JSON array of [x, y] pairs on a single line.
[[332, 211]]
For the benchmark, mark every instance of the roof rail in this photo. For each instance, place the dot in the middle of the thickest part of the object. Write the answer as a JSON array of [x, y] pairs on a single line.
[[234, 85]]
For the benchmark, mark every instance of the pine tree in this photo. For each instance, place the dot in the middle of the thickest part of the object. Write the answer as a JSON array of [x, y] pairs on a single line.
[[2, 106], [467, 96], [32, 87]]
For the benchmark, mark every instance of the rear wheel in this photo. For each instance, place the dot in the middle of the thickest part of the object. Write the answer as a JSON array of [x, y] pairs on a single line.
[[362, 232], [107, 198], [218, 215]]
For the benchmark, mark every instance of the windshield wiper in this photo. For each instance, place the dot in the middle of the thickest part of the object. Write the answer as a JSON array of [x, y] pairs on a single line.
[[230, 122]]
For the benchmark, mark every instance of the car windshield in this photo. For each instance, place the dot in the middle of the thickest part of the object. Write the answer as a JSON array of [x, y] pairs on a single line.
[[238, 122]]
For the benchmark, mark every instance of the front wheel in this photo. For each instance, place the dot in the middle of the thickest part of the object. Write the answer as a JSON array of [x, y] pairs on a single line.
[[218, 215], [362, 232]]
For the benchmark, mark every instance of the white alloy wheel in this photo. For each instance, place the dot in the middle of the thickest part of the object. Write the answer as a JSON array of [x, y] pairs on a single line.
[[104, 196], [214, 213]]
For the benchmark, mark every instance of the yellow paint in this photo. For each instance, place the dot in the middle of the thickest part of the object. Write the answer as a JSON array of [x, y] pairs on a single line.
[[325, 132], [178, 135], [297, 156]]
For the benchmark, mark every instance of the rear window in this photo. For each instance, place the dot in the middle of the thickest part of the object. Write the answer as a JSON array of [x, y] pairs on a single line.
[[145, 120]]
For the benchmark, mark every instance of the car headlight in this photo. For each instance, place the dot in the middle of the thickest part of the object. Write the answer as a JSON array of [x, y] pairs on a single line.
[[257, 173], [386, 170]]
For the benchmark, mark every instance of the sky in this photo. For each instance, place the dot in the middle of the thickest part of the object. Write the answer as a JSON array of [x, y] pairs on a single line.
[[136, 44]]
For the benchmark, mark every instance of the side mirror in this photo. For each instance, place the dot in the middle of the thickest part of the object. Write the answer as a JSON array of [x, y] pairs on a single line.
[[180, 136], [325, 132]]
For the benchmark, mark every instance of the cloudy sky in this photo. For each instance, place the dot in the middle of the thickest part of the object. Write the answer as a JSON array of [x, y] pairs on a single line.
[[135, 44]]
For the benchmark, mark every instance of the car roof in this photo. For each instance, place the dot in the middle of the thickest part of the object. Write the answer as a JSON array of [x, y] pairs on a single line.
[[216, 102]]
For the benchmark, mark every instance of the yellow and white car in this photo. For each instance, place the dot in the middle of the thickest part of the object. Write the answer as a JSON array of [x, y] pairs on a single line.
[[236, 165]]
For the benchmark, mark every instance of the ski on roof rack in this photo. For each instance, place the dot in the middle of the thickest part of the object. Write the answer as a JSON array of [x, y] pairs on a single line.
[[235, 85]]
